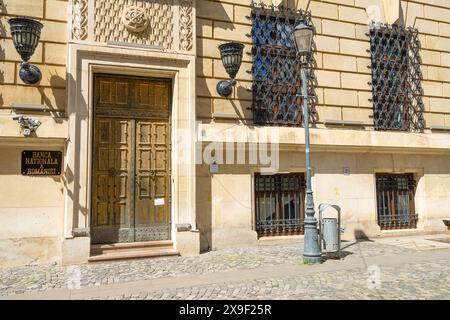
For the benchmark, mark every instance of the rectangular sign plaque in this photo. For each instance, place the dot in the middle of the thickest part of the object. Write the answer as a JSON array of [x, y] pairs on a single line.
[[41, 163]]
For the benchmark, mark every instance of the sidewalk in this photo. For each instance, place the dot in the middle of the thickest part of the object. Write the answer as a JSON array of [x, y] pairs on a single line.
[[388, 268]]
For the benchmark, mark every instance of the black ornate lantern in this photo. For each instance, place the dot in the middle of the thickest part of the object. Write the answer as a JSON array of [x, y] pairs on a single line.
[[231, 54], [25, 34]]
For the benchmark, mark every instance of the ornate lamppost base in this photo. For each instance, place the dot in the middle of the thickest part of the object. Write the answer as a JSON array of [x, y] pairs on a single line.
[[311, 253], [312, 260]]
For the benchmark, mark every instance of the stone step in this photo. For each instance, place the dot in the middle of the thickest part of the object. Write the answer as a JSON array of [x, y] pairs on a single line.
[[130, 246], [134, 254]]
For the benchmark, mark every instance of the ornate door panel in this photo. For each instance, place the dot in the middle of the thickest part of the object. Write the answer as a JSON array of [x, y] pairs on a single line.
[[112, 219], [152, 214], [131, 179], [112, 92]]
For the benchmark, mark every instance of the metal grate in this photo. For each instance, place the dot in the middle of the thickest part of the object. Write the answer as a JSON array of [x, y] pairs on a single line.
[[395, 201], [280, 204], [396, 76], [276, 67]]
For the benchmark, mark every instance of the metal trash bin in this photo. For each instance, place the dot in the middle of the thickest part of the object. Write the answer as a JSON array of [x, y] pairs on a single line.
[[330, 230], [331, 237]]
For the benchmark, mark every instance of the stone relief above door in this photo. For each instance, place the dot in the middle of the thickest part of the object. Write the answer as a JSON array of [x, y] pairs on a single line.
[[166, 24]]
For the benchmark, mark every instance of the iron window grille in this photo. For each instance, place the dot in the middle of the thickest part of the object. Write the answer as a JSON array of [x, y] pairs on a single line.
[[280, 204], [396, 78], [276, 68], [395, 201]]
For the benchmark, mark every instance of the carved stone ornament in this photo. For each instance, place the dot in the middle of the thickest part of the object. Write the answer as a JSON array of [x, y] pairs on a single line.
[[79, 19], [186, 32], [135, 19]]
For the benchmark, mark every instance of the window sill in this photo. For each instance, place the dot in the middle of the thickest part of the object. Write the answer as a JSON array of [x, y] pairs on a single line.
[[440, 128], [344, 123]]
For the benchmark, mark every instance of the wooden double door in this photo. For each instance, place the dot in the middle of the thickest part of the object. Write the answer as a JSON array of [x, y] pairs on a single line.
[[131, 164]]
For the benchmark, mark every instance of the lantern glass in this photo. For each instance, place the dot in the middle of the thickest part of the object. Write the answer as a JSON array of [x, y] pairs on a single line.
[[25, 33], [231, 54], [303, 35]]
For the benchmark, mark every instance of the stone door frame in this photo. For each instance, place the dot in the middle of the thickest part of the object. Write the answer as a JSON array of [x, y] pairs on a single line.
[[83, 62]]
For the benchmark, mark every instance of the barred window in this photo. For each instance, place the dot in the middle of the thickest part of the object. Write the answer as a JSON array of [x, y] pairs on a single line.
[[395, 201], [276, 67], [280, 204], [396, 78]]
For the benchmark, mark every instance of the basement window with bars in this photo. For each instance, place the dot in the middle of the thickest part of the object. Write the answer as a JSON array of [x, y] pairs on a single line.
[[280, 204], [276, 68], [396, 78], [395, 201]]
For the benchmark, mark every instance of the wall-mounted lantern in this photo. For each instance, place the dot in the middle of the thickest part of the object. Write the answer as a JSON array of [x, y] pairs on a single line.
[[231, 54], [25, 34]]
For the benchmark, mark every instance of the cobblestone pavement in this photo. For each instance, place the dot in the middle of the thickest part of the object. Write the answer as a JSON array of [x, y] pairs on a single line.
[[412, 281], [409, 282]]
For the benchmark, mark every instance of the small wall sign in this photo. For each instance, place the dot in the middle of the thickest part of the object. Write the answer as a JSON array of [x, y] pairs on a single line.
[[347, 171], [214, 167], [41, 163]]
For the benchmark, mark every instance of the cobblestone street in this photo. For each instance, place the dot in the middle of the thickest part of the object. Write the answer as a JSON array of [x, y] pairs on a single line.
[[390, 268]]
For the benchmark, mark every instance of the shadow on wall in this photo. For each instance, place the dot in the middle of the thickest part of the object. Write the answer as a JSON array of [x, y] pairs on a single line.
[[2, 51], [58, 106], [312, 85], [2, 29], [71, 178], [204, 207], [2, 6]]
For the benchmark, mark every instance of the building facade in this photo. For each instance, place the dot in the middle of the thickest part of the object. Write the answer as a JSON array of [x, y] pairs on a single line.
[[152, 154]]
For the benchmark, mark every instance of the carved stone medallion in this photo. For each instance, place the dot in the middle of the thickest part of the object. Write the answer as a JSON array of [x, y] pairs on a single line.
[[135, 19]]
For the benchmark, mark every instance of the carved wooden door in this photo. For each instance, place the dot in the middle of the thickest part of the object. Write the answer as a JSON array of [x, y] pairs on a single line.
[[153, 180], [131, 166], [112, 218]]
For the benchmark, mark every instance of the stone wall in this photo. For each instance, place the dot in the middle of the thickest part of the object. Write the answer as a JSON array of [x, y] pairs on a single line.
[[31, 208], [344, 93], [226, 206], [31, 213], [50, 55], [342, 58]]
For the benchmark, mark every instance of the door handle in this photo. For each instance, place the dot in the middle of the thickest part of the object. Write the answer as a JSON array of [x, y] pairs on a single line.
[[136, 180]]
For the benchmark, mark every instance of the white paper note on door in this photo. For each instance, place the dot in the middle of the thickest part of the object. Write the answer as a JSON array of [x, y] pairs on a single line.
[[159, 202]]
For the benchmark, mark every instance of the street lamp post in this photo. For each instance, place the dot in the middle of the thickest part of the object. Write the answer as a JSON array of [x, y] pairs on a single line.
[[303, 41]]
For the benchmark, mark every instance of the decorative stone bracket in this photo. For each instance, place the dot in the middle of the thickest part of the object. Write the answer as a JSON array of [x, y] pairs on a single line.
[[80, 232], [183, 227], [168, 25]]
